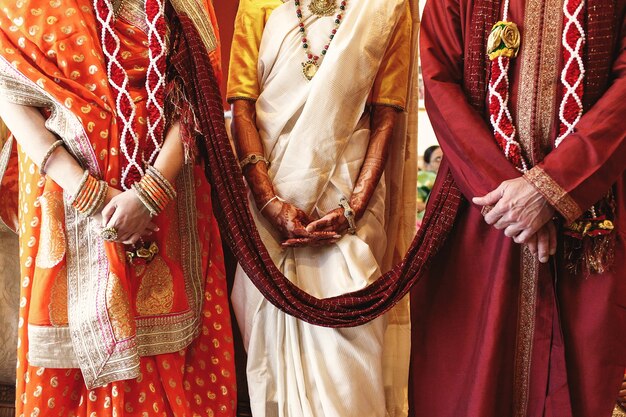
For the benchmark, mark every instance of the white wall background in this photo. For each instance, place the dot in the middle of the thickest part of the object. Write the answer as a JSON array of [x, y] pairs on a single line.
[[426, 135]]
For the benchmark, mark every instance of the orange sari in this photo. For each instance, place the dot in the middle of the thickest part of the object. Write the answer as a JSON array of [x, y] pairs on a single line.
[[99, 335]]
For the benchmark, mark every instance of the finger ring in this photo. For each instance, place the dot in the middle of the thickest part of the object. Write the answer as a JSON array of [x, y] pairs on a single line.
[[109, 234]]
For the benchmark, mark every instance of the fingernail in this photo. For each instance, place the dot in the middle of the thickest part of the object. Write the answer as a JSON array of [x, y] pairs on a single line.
[[543, 259], [156, 229]]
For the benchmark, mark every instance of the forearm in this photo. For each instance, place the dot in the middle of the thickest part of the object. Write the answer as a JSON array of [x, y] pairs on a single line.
[[382, 124], [171, 158], [587, 163], [28, 127], [247, 142]]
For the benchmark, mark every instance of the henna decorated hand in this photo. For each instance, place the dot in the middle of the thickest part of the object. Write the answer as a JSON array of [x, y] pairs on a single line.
[[291, 223], [333, 221]]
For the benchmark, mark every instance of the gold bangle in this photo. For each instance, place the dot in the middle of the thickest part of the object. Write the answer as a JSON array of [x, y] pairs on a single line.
[[253, 158], [162, 181], [145, 200], [269, 201], [348, 213], [44, 161], [99, 201]]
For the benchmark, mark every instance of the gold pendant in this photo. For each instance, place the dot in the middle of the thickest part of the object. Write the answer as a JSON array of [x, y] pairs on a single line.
[[309, 69], [323, 8]]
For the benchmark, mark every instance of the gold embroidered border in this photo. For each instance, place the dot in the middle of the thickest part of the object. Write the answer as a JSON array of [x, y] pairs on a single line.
[[21, 90], [525, 330], [133, 12], [190, 240], [529, 56], [156, 335], [201, 20], [554, 193], [5, 157], [540, 54], [535, 115], [548, 77]]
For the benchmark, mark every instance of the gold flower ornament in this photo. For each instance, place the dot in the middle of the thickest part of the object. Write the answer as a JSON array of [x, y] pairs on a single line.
[[504, 40]]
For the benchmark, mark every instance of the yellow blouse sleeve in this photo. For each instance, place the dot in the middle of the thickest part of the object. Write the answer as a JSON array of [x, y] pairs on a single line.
[[243, 82], [392, 81]]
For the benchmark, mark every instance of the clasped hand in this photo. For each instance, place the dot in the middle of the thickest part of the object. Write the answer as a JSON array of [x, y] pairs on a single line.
[[127, 214], [523, 214], [298, 229]]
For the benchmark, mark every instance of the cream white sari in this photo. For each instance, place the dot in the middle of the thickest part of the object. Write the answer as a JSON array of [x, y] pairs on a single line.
[[315, 134]]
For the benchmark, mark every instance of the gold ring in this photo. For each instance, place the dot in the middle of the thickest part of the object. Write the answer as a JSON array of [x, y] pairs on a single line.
[[109, 234], [485, 210]]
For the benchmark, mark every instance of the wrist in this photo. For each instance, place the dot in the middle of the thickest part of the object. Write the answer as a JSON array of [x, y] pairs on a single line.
[[358, 207], [272, 206]]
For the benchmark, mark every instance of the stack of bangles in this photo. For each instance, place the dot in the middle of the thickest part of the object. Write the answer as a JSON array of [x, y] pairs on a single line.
[[90, 196], [154, 191]]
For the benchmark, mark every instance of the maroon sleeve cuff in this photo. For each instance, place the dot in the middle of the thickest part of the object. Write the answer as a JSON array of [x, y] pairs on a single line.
[[554, 193]]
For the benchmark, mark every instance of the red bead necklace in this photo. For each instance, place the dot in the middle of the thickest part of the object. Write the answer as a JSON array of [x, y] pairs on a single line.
[[311, 65]]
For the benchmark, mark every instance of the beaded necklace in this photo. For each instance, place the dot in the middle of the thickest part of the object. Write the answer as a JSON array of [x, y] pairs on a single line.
[[311, 65]]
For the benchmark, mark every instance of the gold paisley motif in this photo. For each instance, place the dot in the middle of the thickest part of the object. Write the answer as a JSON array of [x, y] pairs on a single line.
[[58, 299], [156, 292], [118, 306], [52, 239]]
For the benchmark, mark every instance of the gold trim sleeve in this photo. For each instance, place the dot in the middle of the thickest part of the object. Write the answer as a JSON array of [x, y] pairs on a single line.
[[554, 193], [243, 81], [392, 81]]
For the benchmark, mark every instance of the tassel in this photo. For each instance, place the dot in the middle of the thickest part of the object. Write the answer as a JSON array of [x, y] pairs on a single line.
[[178, 108], [590, 240]]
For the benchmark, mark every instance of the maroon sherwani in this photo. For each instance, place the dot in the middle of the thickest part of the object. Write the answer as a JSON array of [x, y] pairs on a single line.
[[486, 342]]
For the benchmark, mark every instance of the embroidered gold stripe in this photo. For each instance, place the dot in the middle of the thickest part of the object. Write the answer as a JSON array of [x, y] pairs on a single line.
[[554, 193], [200, 18], [539, 59], [535, 117]]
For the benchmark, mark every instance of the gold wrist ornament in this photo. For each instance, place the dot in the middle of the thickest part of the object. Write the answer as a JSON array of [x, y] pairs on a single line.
[[44, 161], [253, 158], [348, 213], [269, 201], [90, 196], [154, 191]]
